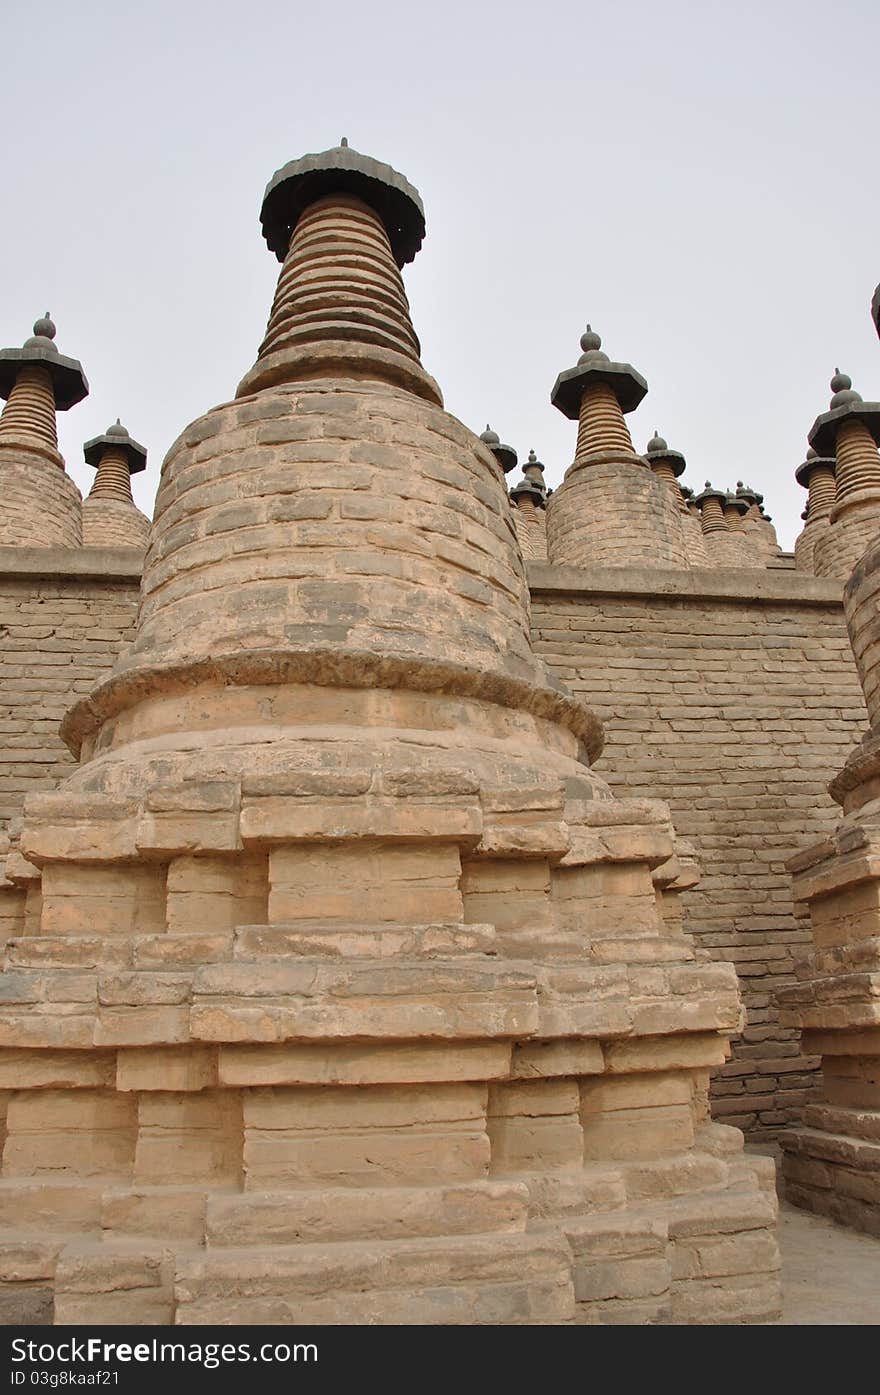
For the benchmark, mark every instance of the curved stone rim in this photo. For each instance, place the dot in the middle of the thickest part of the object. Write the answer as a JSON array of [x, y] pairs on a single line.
[[332, 668], [301, 182], [806, 468], [299, 366], [627, 383], [135, 453], [69, 383], [861, 765], [822, 435]]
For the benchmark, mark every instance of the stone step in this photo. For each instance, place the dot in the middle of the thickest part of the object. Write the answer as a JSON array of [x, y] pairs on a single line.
[[340, 1213], [844, 1150], [462, 1280], [40, 1205], [350, 940], [469, 997], [845, 1121]]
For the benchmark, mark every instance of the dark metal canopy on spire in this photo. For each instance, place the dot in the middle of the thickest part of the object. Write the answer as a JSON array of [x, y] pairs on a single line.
[[710, 492], [505, 455], [594, 366], [657, 450], [846, 405], [738, 502], [813, 462], [751, 496], [69, 382], [342, 170], [116, 438]]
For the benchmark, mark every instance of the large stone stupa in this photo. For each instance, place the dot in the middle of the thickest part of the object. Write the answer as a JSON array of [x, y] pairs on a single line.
[[343, 991]]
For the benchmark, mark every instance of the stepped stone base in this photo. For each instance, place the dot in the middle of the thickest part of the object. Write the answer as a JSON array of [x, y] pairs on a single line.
[[684, 1238], [244, 1082]]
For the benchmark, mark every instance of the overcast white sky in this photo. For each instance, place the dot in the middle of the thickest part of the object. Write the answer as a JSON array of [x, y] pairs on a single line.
[[698, 180]]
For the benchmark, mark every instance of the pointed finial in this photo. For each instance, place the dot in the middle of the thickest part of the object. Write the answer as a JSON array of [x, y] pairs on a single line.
[[657, 444], [590, 340], [44, 327], [841, 386], [344, 142], [489, 437]]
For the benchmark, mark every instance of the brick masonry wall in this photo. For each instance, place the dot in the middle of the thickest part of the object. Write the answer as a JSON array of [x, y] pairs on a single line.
[[64, 615], [735, 698]]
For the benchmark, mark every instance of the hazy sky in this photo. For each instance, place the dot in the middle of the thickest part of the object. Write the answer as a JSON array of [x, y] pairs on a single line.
[[698, 180]]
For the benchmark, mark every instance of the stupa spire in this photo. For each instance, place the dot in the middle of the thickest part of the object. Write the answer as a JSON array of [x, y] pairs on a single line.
[[505, 455], [41, 504], [342, 225], [848, 432], [610, 510], [110, 516], [668, 465], [816, 475]]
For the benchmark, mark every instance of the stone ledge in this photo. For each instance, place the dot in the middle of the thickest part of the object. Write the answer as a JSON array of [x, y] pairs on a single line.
[[770, 586], [95, 563]]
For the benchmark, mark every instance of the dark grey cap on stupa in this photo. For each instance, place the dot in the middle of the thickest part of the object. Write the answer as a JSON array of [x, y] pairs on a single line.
[[875, 309], [812, 461], [710, 492], [69, 382], [526, 488], [116, 438], [846, 405], [342, 170], [532, 484], [594, 366], [737, 502], [505, 455], [657, 450], [749, 495]]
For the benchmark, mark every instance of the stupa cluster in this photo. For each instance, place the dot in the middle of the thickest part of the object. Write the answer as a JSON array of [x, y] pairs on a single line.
[[339, 987], [619, 508], [42, 506]]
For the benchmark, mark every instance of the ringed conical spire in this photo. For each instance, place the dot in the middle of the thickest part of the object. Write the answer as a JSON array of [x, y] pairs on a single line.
[[110, 515], [342, 225], [610, 509], [41, 503], [849, 433]]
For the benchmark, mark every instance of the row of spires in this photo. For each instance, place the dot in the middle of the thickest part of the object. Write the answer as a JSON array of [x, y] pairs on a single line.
[[37, 381], [841, 473], [327, 217]]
